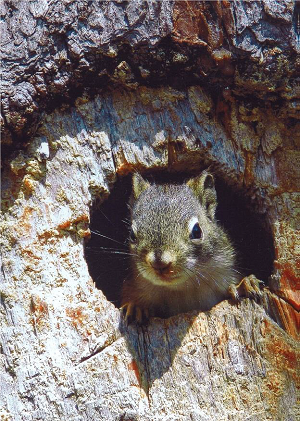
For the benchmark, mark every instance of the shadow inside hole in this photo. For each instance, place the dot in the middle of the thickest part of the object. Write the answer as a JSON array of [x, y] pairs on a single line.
[[248, 231], [109, 267], [107, 264]]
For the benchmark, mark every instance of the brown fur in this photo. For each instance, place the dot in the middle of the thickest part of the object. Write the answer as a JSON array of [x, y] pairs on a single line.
[[173, 272]]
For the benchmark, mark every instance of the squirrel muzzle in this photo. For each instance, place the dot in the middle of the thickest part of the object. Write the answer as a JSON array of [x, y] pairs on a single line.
[[161, 261]]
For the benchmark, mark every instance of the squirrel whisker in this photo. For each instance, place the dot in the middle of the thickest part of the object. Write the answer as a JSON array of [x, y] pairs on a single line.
[[105, 236]]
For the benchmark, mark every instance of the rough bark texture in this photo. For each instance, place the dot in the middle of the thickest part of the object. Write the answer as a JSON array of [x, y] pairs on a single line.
[[164, 85]]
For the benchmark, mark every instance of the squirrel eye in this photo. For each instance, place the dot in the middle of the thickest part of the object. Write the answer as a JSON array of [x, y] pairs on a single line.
[[132, 236], [196, 232]]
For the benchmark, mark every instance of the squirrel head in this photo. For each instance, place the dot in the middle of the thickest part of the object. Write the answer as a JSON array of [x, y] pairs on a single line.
[[174, 234]]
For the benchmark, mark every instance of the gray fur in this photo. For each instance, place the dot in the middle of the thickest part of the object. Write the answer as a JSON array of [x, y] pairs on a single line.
[[203, 268]]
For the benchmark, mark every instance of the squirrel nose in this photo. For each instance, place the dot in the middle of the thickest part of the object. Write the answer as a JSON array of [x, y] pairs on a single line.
[[161, 261], [160, 265]]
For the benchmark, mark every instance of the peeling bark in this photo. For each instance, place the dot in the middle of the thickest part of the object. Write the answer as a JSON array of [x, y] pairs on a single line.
[[93, 91]]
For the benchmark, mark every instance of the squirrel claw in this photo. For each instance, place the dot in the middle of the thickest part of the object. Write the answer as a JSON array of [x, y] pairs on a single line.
[[134, 313], [249, 287], [233, 292], [252, 287]]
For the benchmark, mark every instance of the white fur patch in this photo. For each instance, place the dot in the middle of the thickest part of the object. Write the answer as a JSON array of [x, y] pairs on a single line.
[[192, 222]]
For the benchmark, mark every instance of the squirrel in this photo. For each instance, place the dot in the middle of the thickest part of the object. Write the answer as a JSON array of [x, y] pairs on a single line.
[[181, 258]]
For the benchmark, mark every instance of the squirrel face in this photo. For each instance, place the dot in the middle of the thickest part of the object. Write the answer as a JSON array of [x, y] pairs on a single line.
[[174, 236]]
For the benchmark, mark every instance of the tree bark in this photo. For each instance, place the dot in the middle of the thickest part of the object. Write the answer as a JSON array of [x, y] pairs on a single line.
[[93, 91]]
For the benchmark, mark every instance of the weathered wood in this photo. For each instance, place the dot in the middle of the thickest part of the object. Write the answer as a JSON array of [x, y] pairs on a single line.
[[65, 353], [60, 330], [54, 49]]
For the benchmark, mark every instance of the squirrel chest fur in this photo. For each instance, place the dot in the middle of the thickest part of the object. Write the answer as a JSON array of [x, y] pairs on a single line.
[[181, 258]]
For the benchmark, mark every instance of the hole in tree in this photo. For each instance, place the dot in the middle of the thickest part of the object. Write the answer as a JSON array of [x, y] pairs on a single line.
[[248, 231], [107, 264], [109, 267]]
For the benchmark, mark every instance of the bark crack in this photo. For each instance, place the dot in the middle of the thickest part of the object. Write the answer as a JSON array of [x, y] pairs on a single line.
[[97, 351], [144, 357]]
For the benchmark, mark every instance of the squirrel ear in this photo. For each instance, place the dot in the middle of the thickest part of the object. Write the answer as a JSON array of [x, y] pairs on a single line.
[[138, 185], [203, 188]]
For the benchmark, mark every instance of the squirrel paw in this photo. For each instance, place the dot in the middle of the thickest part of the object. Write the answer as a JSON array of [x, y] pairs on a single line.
[[134, 313], [249, 287]]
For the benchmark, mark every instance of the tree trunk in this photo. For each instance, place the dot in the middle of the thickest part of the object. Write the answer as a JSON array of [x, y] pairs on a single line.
[[91, 92]]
